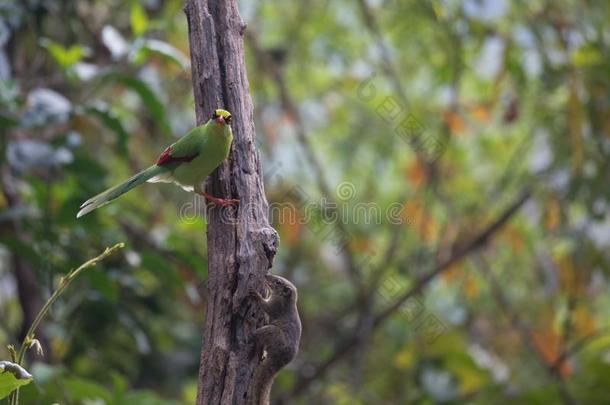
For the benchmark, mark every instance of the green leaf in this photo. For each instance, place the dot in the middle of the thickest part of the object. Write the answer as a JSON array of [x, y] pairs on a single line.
[[139, 19], [12, 376], [7, 121], [112, 122], [148, 96], [587, 55], [64, 56], [81, 389], [163, 49]]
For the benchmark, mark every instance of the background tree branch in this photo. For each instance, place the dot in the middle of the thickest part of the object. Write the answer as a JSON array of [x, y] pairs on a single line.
[[345, 345]]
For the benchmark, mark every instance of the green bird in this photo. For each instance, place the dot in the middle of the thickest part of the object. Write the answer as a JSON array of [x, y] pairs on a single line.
[[187, 163]]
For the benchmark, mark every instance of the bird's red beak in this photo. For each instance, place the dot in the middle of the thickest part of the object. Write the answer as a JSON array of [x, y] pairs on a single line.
[[220, 119]]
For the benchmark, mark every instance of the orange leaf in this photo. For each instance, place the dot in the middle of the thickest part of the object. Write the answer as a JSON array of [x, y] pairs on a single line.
[[514, 237], [548, 345], [291, 225], [454, 121], [452, 273], [416, 173], [570, 278], [471, 286], [583, 321], [553, 214], [362, 244], [419, 219], [481, 112]]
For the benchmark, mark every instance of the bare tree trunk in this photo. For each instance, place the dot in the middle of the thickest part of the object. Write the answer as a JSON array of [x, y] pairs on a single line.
[[241, 244], [28, 289]]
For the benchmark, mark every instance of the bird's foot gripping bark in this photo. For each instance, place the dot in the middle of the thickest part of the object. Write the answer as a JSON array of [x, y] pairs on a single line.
[[219, 201]]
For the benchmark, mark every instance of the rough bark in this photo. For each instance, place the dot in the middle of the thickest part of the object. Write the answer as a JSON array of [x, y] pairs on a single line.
[[241, 244]]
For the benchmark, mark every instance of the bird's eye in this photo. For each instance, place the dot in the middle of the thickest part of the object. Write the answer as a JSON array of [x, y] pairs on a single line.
[[228, 119], [214, 115]]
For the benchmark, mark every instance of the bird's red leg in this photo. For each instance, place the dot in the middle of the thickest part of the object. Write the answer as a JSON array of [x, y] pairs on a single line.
[[219, 201]]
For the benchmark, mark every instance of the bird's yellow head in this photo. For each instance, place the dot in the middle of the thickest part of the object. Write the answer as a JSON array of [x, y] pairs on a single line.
[[222, 116]]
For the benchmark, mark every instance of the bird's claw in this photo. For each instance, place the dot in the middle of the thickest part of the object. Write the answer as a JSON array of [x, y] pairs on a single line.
[[224, 202], [227, 202]]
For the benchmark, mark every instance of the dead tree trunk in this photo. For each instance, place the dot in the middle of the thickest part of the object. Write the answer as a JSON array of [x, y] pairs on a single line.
[[241, 244]]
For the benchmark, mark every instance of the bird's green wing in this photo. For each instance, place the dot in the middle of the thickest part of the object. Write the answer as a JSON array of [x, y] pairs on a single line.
[[184, 149]]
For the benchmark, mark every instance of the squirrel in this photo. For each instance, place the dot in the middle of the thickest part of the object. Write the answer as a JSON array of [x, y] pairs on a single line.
[[279, 339]]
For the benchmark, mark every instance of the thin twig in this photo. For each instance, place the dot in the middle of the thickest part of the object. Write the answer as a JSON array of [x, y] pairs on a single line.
[[63, 284]]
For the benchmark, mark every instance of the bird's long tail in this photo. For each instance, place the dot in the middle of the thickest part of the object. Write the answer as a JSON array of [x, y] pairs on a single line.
[[116, 191]]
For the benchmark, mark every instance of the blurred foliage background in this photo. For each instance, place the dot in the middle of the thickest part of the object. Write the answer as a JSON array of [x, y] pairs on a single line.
[[470, 266]]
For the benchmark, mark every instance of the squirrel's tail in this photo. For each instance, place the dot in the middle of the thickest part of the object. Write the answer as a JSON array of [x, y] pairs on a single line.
[[259, 391]]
